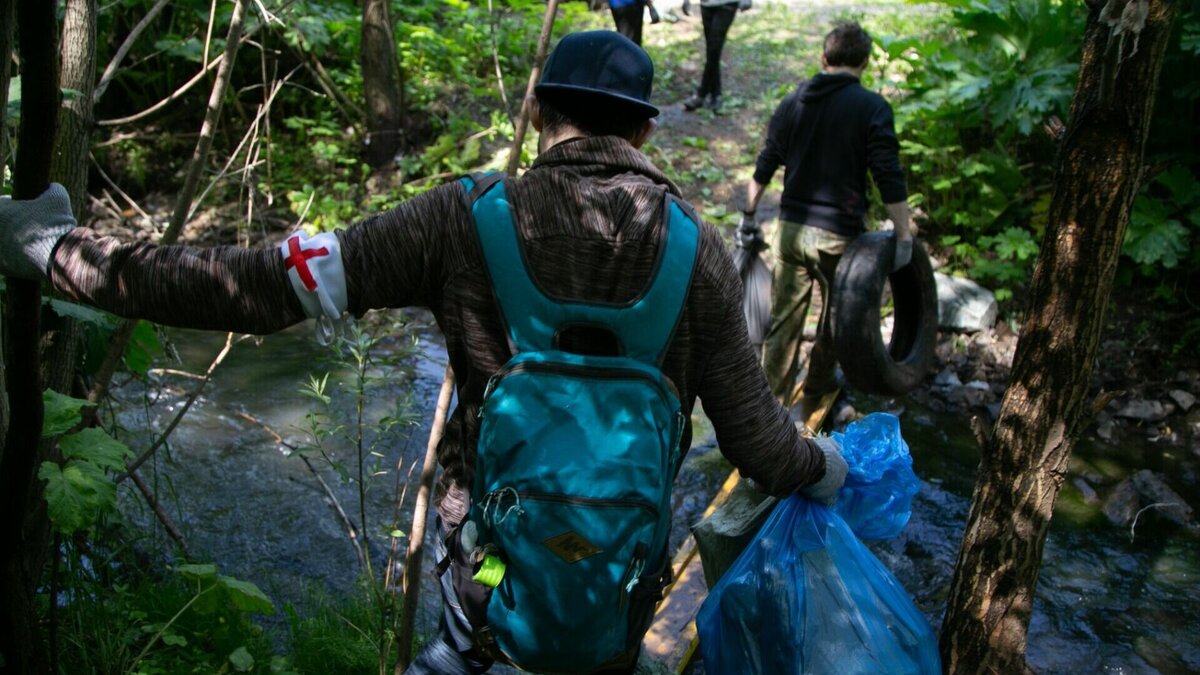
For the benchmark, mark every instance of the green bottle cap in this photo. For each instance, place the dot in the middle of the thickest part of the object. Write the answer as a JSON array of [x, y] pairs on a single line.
[[491, 571]]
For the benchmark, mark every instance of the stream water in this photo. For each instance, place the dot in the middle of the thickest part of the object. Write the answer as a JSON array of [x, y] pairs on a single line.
[[1107, 602]]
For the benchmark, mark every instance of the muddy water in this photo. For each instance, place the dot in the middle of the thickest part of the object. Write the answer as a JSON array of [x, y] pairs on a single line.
[[1105, 603]]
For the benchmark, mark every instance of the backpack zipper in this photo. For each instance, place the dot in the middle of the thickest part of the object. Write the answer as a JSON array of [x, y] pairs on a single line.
[[594, 502], [662, 386], [633, 574]]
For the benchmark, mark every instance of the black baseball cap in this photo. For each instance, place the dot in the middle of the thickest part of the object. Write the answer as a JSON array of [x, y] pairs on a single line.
[[602, 65]]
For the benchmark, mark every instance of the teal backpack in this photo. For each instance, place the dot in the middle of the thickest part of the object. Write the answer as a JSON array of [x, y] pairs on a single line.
[[571, 504]]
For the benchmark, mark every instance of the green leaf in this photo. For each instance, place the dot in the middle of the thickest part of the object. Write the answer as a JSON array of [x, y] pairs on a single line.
[[82, 313], [241, 660], [174, 640], [196, 571], [76, 494], [143, 345], [96, 447], [61, 412], [1157, 242], [245, 596]]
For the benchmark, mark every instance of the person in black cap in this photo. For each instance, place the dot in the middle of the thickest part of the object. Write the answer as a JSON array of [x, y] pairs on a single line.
[[589, 215]]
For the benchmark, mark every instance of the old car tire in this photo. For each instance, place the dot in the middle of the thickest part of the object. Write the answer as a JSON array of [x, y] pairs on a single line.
[[869, 364]]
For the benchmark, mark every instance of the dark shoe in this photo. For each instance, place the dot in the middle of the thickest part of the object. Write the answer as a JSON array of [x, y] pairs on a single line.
[[694, 102], [714, 104]]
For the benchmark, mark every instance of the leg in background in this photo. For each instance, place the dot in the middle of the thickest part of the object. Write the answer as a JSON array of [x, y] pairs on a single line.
[[791, 296]]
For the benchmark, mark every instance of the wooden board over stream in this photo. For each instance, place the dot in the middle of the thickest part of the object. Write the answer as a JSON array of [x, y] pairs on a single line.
[[672, 638]]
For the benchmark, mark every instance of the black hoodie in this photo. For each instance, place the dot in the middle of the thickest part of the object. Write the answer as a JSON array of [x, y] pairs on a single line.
[[827, 133]]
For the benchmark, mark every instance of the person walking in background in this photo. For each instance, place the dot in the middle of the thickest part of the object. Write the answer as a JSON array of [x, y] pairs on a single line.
[[716, 16], [627, 14], [827, 133]]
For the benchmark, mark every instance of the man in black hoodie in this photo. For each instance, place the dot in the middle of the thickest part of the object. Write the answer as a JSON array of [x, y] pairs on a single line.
[[827, 134]]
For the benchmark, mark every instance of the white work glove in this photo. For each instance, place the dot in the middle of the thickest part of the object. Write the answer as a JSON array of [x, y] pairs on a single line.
[[29, 229], [826, 489], [749, 234], [904, 248]]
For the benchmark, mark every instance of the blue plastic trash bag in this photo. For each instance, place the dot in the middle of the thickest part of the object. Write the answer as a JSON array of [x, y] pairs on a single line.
[[806, 596], [876, 501]]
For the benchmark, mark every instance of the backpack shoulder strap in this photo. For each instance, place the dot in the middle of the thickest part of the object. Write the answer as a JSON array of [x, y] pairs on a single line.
[[643, 326]]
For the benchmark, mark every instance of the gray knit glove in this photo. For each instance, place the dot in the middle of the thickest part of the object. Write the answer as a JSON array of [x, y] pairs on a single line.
[[29, 229], [826, 489]]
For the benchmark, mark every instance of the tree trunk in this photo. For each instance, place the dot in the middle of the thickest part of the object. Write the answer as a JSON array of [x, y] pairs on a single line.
[[381, 84], [1046, 406], [70, 167], [19, 640], [62, 337], [6, 46]]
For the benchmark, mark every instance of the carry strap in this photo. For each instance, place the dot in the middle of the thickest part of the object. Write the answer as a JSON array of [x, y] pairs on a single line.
[[644, 325]]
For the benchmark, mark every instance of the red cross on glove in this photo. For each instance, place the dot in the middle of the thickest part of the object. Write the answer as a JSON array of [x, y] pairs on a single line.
[[298, 258]]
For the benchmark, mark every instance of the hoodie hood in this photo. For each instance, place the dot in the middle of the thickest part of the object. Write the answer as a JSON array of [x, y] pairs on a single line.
[[824, 84]]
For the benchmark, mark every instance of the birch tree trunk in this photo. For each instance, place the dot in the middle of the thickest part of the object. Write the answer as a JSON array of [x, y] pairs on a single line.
[[1046, 405]]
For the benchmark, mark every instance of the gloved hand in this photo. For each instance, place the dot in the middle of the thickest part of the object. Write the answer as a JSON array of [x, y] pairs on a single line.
[[826, 489], [686, 8], [29, 229], [748, 234], [743, 5], [904, 248]]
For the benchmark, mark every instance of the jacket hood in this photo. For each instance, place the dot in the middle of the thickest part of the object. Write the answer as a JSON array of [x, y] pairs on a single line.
[[824, 84]]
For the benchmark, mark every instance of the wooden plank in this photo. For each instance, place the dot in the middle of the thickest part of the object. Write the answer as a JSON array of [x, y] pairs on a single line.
[[672, 639]]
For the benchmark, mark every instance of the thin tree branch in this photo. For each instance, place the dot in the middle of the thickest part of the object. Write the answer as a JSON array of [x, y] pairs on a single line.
[[110, 71], [496, 63], [351, 530], [121, 192], [133, 466], [249, 137], [209, 129], [162, 516], [168, 100], [416, 534], [514, 158], [212, 18]]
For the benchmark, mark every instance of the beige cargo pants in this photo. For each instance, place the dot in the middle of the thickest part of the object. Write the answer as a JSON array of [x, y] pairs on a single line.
[[803, 255]]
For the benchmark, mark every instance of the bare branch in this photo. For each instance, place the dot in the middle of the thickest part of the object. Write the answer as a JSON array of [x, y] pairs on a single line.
[[162, 516], [166, 101], [110, 71], [351, 530], [133, 204], [133, 466]]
